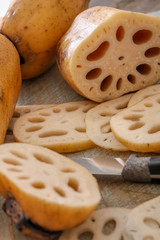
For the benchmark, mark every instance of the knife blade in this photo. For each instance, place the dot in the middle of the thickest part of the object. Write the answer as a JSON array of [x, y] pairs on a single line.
[[135, 169]]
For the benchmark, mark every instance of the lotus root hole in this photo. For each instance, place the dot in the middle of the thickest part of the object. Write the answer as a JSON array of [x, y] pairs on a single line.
[[148, 104], [55, 133], [121, 58], [59, 191], [80, 129], [138, 110], [106, 114], [152, 52], [106, 83], [121, 106], [143, 69], [148, 238], [42, 158], [12, 162], [131, 78], [18, 154], [68, 170], [93, 74], [71, 108], [87, 235], [23, 177], [154, 129], [106, 128], [45, 114], [56, 110], [152, 223], [135, 117], [38, 185], [136, 126], [36, 120], [119, 84], [120, 33], [14, 170], [78, 66], [142, 36], [33, 129], [73, 183], [99, 52], [109, 227]]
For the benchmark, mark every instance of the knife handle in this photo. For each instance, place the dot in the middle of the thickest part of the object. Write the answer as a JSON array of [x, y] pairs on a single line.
[[154, 167], [141, 169]]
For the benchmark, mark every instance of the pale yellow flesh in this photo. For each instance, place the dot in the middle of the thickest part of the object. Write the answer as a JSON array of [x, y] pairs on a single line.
[[138, 127], [61, 128], [143, 221], [98, 123], [95, 225], [54, 191], [144, 93], [108, 52], [21, 110]]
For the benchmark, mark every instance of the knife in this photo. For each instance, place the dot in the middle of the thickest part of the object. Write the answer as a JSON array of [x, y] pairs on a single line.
[[135, 169]]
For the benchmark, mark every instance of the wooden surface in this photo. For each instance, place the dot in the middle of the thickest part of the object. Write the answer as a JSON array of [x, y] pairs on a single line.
[[51, 88]]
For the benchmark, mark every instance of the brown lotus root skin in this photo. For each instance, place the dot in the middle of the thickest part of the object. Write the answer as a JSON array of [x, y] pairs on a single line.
[[13, 209], [109, 52]]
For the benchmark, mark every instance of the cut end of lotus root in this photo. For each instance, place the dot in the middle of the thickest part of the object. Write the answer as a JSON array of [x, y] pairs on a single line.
[[13, 209], [109, 52], [54, 192]]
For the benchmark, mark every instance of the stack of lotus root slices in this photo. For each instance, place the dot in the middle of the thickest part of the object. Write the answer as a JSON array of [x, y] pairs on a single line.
[[130, 122]]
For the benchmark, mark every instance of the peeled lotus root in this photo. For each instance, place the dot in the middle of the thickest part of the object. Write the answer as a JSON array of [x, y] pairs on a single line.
[[61, 128], [97, 226], [138, 127], [144, 221], [109, 52], [54, 192], [98, 123]]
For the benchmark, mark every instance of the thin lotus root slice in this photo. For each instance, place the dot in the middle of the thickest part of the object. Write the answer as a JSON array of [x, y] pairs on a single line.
[[109, 52], [61, 128], [53, 191], [103, 224], [98, 123], [138, 127], [21, 110], [144, 93], [144, 221]]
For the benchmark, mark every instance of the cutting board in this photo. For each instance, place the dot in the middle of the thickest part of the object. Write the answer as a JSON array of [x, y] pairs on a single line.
[[51, 88]]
